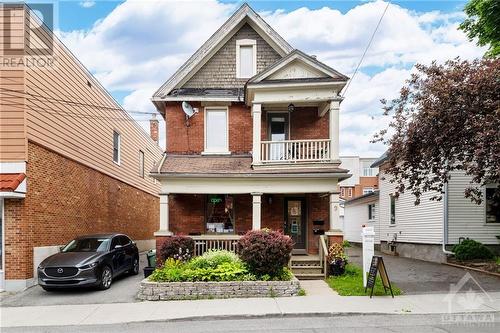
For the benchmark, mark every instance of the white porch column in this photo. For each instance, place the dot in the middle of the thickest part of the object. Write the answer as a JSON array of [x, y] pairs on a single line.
[[256, 115], [164, 228], [334, 212], [334, 129], [256, 211]]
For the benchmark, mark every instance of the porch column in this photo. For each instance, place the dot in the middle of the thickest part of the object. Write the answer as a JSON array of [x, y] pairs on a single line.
[[164, 228], [334, 129], [256, 115], [256, 211], [335, 234]]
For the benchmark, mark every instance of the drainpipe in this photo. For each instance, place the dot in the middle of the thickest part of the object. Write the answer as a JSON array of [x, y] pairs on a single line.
[[445, 221]]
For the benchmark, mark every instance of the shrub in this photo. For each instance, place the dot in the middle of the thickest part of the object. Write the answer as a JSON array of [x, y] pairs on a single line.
[[213, 258], [470, 249], [265, 251], [177, 247], [172, 271]]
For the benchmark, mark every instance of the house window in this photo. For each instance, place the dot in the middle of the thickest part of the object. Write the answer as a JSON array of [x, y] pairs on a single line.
[[367, 190], [492, 206], [342, 192], [220, 214], [371, 211], [116, 147], [393, 209], [246, 58], [349, 192], [141, 164], [216, 130], [369, 172]]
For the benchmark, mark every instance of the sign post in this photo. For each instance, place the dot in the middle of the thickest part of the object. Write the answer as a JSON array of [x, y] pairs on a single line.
[[368, 238]]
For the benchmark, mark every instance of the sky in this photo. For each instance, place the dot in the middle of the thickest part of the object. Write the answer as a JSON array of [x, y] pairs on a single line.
[[132, 47]]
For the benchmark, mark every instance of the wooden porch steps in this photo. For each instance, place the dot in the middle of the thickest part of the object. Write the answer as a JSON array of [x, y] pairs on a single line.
[[307, 267]]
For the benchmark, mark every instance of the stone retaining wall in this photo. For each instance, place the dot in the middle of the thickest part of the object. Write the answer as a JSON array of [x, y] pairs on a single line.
[[154, 291]]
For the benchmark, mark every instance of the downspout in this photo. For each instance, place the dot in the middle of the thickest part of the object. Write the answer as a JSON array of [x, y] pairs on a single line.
[[445, 221]]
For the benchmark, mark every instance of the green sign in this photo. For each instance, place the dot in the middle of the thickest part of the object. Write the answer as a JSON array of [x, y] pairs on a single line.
[[215, 200], [294, 229]]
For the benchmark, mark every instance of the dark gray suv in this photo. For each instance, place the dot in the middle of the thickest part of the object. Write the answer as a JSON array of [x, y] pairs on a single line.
[[93, 260]]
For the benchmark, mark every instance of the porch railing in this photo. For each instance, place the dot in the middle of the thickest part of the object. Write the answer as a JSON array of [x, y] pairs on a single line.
[[295, 151], [204, 243], [323, 255]]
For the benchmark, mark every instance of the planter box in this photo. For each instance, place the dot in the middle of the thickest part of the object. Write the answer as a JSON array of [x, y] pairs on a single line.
[[154, 291]]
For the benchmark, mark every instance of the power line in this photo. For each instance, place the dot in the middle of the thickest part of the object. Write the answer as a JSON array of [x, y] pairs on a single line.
[[57, 100], [366, 49]]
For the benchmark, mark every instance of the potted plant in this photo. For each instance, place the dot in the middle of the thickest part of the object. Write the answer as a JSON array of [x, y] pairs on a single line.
[[337, 259]]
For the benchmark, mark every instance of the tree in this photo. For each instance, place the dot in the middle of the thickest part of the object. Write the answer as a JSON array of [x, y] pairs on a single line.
[[483, 22], [447, 117]]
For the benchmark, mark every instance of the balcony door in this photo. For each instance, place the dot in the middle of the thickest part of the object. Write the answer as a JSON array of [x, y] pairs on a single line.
[[278, 129]]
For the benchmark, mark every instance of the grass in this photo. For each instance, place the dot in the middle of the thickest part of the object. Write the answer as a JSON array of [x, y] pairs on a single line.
[[497, 260], [351, 283]]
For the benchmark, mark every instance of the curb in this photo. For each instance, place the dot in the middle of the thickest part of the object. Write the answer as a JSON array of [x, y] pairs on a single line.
[[472, 269]]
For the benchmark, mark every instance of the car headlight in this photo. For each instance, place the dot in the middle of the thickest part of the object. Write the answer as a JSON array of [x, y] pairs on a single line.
[[89, 266]]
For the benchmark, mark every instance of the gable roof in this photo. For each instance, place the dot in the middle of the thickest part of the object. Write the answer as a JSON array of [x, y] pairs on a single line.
[[245, 14], [326, 71]]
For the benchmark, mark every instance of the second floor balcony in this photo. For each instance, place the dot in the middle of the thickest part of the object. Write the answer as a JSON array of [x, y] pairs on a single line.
[[295, 151]]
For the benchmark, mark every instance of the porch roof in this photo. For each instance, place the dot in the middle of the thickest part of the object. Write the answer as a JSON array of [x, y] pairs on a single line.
[[10, 181], [240, 165]]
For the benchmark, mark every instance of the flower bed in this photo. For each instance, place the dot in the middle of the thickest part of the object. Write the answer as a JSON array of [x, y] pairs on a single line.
[[154, 291], [259, 271]]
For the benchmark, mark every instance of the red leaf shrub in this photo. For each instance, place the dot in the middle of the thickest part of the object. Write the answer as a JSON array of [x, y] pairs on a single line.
[[177, 247], [265, 251]]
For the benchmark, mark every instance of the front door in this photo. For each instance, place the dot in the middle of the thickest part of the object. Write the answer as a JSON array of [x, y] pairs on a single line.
[[295, 223], [278, 131]]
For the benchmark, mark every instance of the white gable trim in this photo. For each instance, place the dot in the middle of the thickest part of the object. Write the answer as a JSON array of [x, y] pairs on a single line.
[[301, 57], [243, 15]]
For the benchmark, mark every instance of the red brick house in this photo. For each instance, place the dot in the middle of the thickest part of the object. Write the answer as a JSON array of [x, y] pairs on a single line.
[[252, 139], [72, 161]]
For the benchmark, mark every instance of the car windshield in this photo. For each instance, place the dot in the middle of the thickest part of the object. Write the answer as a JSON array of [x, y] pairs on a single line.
[[91, 244]]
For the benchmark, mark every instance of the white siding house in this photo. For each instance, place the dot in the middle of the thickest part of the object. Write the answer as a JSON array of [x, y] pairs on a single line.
[[359, 212], [419, 231]]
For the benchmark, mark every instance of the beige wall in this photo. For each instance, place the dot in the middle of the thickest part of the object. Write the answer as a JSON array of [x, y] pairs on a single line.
[[81, 129]]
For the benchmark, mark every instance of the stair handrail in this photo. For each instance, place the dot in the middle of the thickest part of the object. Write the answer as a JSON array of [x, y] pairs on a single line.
[[323, 255]]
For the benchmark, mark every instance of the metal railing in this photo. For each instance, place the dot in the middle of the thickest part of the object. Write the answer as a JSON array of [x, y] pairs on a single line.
[[323, 255], [295, 151], [203, 243]]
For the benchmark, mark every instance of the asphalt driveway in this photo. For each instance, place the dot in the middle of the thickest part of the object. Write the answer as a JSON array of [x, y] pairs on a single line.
[[422, 277], [123, 290]]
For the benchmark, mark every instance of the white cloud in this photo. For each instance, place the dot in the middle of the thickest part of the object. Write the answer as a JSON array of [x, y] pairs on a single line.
[[140, 44], [87, 4]]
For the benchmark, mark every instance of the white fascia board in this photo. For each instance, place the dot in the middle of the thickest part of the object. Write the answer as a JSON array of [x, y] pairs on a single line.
[[13, 167], [12, 195], [248, 185]]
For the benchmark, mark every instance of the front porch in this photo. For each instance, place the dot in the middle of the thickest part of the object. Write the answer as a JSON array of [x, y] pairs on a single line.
[[216, 221]]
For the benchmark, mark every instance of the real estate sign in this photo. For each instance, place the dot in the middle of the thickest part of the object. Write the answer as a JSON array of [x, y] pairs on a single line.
[[368, 239]]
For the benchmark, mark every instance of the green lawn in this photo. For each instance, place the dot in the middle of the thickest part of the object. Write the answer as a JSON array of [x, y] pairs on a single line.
[[351, 283]]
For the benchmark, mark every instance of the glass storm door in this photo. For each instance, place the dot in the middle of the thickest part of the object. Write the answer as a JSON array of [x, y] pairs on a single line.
[[278, 131], [295, 223]]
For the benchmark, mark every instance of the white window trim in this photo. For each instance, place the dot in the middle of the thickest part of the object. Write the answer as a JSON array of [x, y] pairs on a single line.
[[119, 147], [246, 42], [485, 205], [205, 149]]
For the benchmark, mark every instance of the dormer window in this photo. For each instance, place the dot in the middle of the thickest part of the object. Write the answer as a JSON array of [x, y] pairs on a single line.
[[246, 58]]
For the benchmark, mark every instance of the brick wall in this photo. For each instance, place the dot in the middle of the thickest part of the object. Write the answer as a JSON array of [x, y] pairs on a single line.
[[65, 199], [188, 137]]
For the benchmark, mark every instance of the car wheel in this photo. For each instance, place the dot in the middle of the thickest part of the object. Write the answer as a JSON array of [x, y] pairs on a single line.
[[135, 266], [47, 288], [106, 278]]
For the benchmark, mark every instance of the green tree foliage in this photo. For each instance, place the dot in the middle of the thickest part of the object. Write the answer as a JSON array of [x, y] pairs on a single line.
[[483, 23]]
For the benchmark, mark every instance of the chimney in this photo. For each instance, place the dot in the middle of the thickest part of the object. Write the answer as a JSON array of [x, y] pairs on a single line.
[[153, 128]]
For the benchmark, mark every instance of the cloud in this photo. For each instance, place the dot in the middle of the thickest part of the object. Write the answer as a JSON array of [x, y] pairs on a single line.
[[140, 44], [87, 4]]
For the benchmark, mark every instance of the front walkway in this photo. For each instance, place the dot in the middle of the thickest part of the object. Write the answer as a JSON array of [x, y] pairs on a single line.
[[100, 314]]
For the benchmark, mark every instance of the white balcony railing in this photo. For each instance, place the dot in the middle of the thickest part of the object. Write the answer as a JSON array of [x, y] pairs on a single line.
[[295, 151], [203, 243]]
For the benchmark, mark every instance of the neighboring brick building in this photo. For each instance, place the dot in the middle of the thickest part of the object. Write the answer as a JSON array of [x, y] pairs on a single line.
[[364, 178], [252, 139], [72, 162]]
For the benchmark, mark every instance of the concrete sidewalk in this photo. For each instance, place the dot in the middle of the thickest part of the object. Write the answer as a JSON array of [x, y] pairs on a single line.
[[93, 314]]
